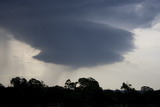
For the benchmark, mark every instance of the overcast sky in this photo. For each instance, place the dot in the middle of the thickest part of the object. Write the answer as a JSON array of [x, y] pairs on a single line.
[[113, 41]]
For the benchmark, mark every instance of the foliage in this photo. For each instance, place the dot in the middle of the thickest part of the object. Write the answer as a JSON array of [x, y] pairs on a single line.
[[86, 92], [35, 83], [146, 88], [127, 87], [18, 82], [70, 85], [2, 86], [88, 83]]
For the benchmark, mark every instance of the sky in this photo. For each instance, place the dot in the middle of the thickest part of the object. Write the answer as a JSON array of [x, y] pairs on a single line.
[[113, 41]]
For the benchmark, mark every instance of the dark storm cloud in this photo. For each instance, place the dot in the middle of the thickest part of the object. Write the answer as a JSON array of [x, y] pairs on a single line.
[[67, 31], [126, 14]]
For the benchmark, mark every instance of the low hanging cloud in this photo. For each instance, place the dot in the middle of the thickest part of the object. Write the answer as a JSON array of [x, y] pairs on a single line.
[[69, 32]]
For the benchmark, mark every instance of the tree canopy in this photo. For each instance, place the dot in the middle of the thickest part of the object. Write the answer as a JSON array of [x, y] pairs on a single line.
[[86, 92]]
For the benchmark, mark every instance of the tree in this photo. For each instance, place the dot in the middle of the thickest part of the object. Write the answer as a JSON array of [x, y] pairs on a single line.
[[127, 87], [34, 83], [70, 85], [146, 89], [2, 86], [18, 82], [89, 83]]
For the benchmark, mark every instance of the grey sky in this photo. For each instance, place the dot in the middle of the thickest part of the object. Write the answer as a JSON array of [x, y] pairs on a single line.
[[74, 33], [64, 33]]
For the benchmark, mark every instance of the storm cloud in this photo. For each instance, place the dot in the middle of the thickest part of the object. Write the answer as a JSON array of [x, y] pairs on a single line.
[[77, 33]]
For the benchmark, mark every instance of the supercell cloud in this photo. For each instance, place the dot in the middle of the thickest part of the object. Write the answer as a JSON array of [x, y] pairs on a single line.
[[77, 33]]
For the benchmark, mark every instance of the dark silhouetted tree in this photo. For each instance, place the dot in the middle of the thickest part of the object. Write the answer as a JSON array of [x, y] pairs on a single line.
[[146, 88], [127, 87], [87, 93], [89, 83], [18, 82], [70, 85], [2, 86], [34, 83]]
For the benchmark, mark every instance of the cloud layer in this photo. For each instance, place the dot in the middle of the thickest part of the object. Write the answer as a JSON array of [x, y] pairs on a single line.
[[71, 32]]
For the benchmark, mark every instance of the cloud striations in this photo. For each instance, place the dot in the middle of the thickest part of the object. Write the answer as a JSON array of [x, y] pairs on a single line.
[[71, 32]]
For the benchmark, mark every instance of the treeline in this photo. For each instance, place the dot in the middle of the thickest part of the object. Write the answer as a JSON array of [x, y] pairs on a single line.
[[86, 92]]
